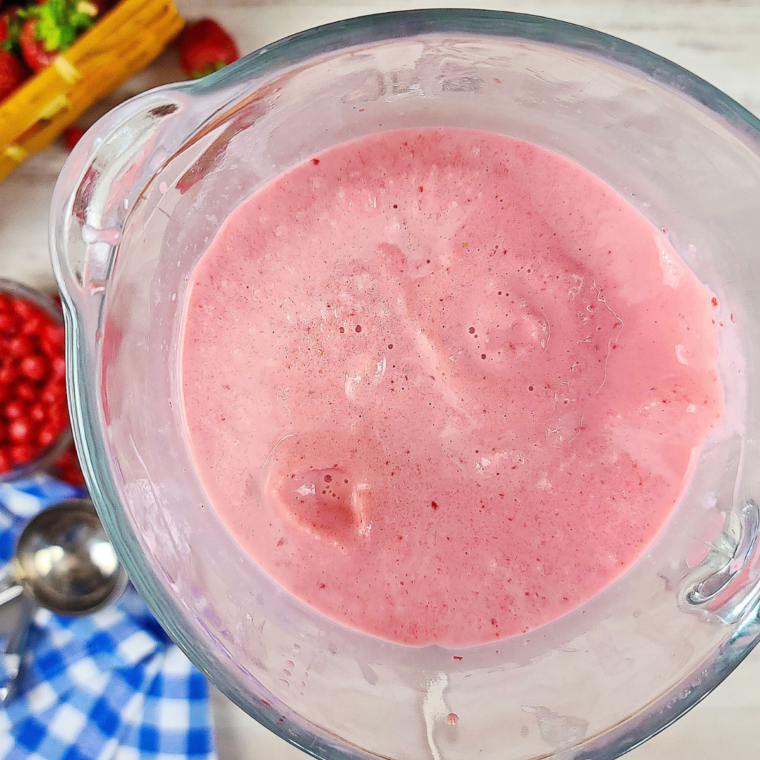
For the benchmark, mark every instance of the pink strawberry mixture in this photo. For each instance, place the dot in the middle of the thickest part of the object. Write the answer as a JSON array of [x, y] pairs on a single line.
[[445, 386]]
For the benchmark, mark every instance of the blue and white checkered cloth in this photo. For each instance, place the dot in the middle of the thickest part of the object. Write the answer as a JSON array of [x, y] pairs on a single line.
[[111, 686]]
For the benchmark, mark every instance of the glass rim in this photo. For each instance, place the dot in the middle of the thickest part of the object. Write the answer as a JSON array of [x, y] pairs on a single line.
[[265, 63], [390, 25]]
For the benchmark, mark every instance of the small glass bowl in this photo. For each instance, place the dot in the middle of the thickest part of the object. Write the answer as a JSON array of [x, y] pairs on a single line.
[[45, 458]]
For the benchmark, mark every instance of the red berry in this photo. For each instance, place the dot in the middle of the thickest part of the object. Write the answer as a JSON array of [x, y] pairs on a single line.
[[206, 47], [38, 412], [36, 55], [35, 367], [58, 366], [20, 431], [58, 415], [49, 349], [20, 346], [27, 391], [44, 36], [8, 374], [12, 73], [22, 453], [34, 325], [48, 435], [54, 334], [14, 410], [8, 323], [72, 136], [25, 309], [5, 300], [6, 464], [54, 392]]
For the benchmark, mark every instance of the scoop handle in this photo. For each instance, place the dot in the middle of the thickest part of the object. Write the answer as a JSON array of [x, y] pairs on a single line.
[[10, 588], [14, 649]]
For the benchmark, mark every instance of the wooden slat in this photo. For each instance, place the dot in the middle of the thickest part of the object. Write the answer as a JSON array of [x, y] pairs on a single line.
[[123, 42]]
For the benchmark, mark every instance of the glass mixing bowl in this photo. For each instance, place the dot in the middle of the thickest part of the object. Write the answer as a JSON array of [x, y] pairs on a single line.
[[140, 199]]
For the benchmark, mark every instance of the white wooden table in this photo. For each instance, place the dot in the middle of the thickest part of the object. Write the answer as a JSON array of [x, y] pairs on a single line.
[[717, 39]]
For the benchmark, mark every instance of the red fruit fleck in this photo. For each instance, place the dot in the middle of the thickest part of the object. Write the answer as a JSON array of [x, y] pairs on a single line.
[[14, 410], [38, 412], [8, 374], [34, 325], [25, 309], [54, 392], [58, 366], [20, 431], [48, 435], [8, 323], [72, 136], [206, 47], [22, 453], [6, 463], [12, 73], [35, 367], [27, 391], [58, 415], [54, 334], [49, 349], [5, 303], [20, 346]]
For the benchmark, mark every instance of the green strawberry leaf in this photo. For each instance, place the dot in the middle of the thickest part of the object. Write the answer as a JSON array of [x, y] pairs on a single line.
[[60, 22], [11, 44], [210, 69]]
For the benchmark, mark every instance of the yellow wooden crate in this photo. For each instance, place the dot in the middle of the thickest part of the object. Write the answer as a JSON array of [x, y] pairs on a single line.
[[124, 41]]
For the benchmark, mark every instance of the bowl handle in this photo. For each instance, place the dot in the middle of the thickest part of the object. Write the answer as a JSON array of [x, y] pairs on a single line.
[[103, 179], [727, 582]]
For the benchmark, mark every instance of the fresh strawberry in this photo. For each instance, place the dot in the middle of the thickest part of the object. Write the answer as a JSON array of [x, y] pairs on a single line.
[[51, 28], [205, 47], [33, 49], [72, 136], [12, 73]]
